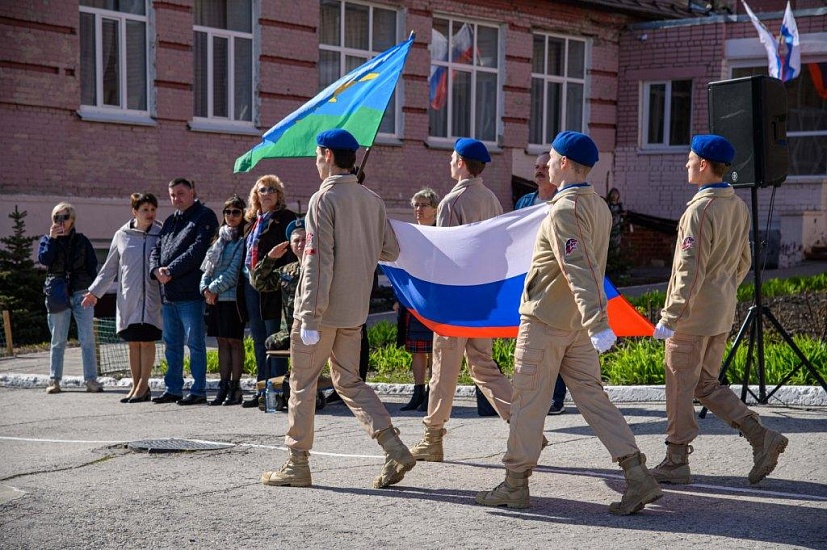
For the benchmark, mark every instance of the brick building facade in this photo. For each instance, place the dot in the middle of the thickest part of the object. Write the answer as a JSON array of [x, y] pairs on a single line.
[[58, 144], [697, 51]]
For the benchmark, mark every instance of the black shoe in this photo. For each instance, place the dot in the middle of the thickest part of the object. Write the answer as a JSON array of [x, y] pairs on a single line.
[[250, 403], [167, 398], [223, 388], [125, 399], [556, 409], [234, 394], [145, 397], [191, 399], [334, 397]]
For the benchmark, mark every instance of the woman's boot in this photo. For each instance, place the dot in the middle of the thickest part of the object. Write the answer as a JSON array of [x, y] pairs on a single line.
[[223, 386], [416, 399], [423, 407], [234, 394]]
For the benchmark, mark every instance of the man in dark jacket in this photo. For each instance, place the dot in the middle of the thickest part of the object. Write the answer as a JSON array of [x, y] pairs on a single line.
[[175, 262]]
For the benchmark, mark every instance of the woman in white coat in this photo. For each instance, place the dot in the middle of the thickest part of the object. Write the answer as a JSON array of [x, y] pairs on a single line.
[[138, 318]]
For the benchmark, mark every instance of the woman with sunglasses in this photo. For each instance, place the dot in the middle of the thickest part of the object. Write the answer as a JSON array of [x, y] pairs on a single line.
[[138, 318], [226, 313], [69, 255], [269, 217]]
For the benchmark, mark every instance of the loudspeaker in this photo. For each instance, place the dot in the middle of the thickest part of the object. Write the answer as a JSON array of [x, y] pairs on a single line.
[[751, 113]]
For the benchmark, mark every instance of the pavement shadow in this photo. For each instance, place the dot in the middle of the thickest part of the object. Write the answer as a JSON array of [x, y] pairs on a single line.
[[693, 510], [710, 425]]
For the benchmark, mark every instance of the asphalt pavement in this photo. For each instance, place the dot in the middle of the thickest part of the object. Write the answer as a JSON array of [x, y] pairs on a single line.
[[68, 478]]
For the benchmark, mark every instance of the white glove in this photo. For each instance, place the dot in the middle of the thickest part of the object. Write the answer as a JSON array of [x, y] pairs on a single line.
[[309, 337], [662, 332], [603, 340]]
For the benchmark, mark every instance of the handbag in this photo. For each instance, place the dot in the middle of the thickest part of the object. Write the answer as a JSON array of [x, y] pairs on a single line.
[[56, 289], [56, 286]]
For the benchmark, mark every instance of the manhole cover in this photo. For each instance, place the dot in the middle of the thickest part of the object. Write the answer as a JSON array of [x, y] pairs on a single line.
[[175, 445]]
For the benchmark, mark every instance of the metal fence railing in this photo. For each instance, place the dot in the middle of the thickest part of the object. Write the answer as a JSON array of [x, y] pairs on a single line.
[[113, 353]]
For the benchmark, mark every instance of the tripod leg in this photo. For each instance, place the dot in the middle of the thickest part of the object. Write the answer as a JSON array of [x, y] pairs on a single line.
[[746, 325], [804, 361]]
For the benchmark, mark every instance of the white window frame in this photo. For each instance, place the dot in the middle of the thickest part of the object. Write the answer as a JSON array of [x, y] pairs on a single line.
[[113, 113], [563, 79], [343, 51], [762, 63], [667, 116], [448, 142], [221, 124]]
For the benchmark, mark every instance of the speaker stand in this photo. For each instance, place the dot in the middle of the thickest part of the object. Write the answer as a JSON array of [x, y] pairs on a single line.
[[753, 329]]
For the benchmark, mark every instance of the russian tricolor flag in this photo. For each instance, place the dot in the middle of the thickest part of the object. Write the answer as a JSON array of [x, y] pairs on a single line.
[[462, 51], [466, 281]]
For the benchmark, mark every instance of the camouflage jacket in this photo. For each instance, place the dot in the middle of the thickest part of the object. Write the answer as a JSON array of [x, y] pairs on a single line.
[[266, 277]]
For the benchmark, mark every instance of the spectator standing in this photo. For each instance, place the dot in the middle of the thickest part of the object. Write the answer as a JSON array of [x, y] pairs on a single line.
[[175, 261], [564, 325], [269, 217], [618, 214], [68, 254], [711, 259], [267, 277], [138, 303], [346, 228], [412, 334], [469, 201], [226, 313], [545, 192]]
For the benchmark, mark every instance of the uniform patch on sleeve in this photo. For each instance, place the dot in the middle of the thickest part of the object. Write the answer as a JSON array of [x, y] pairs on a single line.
[[688, 242], [309, 247], [571, 246]]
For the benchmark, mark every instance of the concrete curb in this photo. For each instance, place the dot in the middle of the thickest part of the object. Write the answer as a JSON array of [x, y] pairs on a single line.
[[804, 396]]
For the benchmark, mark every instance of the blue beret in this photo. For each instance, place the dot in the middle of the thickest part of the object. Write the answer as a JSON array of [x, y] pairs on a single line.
[[714, 148], [578, 147], [298, 223], [472, 149], [337, 139]]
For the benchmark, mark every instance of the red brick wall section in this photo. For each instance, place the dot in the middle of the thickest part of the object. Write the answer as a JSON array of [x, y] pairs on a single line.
[[642, 247], [47, 147]]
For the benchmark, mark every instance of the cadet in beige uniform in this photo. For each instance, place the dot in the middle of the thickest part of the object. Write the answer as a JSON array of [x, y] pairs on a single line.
[[469, 201], [712, 257], [347, 234], [564, 325]]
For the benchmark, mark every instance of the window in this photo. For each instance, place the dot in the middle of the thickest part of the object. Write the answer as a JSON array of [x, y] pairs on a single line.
[[558, 83], [806, 117], [464, 87], [223, 48], [667, 113], [113, 55], [349, 35]]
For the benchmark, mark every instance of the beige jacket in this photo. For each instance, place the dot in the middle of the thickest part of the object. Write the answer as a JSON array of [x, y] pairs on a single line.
[[347, 234], [468, 202], [564, 285], [712, 257]]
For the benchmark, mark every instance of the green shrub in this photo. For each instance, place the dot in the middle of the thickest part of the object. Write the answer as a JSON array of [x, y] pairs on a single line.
[[634, 362], [382, 334], [770, 288]]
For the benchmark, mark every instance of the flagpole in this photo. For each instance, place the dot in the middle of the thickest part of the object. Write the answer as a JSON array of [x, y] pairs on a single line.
[[360, 173]]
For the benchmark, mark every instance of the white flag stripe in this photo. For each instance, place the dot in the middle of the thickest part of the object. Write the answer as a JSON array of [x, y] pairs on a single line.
[[768, 40], [473, 254]]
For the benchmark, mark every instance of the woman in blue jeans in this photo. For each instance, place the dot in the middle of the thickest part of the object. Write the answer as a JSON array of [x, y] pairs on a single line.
[[69, 255], [268, 218]]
